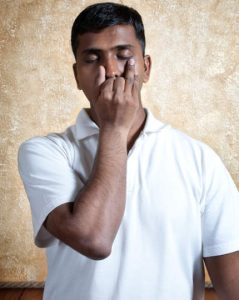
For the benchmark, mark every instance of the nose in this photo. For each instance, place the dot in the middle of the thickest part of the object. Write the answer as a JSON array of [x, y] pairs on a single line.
[[112, 68]]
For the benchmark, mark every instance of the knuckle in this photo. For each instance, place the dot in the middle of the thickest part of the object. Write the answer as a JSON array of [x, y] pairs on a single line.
[[106, 95], [133, 104], [117, 97], [127, 98]]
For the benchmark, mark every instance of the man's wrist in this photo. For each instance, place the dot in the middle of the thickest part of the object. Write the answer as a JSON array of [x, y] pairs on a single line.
[[113, 136], [114, 131]]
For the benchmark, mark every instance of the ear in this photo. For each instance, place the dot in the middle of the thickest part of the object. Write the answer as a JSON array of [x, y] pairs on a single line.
[[147, 68], [76, 77]]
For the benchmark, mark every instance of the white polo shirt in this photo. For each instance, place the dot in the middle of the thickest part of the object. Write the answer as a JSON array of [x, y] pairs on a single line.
[[181, 205]]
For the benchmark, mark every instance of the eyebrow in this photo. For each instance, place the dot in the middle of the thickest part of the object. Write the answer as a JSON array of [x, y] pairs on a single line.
[[98, 50]]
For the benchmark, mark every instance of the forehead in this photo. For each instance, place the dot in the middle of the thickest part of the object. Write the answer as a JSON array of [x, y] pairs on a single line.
[[108, 38]]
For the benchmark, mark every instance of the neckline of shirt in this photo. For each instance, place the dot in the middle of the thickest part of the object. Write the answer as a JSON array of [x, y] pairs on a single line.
[[85, 127]]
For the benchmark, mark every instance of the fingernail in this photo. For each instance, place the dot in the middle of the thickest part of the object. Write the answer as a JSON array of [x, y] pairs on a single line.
[[131, 61]]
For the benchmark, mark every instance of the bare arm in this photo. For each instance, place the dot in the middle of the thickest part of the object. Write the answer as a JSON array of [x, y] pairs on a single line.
[[90, 224], [224, 273]]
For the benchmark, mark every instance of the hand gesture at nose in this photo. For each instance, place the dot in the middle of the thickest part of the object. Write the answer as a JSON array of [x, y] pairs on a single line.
[[118, 100]]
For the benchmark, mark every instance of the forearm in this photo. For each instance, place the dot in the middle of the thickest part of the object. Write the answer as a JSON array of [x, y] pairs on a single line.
[[230, 292], [99, 206], [228, 289], [224, 273]]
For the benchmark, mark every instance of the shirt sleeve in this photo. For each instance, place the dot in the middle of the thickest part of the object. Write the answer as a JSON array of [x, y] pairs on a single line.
[[49, 181], [220, 218]]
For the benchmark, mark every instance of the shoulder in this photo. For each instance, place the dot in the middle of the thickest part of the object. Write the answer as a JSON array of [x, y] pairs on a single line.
[[184, 140], [53, 146], [164, 135], [185, 146]]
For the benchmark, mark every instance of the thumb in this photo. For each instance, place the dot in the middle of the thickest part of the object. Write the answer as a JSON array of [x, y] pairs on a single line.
[[100, 78]]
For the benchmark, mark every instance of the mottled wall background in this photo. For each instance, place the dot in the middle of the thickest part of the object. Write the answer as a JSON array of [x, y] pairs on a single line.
[[194, 86]]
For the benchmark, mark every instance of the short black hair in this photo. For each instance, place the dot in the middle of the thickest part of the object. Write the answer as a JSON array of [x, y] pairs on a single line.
[[98, 16]]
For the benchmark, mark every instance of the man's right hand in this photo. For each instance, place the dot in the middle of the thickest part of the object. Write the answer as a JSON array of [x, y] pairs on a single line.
[[118, 99]]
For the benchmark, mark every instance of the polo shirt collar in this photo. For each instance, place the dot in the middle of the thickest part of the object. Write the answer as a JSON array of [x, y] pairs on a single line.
[[85, 127], [152, 124]]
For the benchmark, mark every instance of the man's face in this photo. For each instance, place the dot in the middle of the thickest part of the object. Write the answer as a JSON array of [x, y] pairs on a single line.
[[111, 48]]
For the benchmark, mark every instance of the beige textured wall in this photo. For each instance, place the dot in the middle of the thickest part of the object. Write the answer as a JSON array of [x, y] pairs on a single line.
[[194, 86]]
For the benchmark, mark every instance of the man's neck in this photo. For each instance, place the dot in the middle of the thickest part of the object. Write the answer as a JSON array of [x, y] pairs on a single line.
[[137, 127]]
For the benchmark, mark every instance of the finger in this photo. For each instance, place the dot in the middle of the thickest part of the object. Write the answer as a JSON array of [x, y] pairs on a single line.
[[108, 85], [129, 75], [102, 84], [106, 89], [136, 87], [119, 84], [100, 78]]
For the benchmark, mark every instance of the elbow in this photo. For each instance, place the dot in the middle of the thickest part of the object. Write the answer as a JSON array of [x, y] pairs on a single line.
[[95, 249], [93, 245], [98, 253]]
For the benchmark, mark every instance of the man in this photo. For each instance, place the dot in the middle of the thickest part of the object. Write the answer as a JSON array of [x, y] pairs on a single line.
[[126, 206]]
